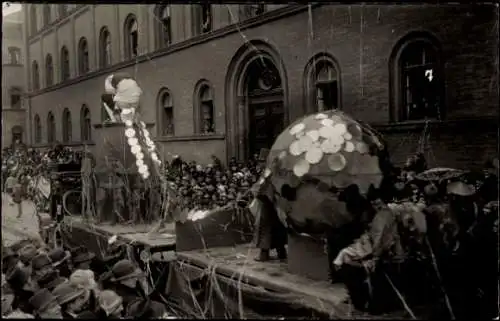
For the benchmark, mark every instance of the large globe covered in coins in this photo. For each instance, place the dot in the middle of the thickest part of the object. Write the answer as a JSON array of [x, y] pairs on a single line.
[[315, 159]]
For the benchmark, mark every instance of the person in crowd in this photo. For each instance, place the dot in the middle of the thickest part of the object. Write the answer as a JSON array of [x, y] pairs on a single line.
[[8, 298], [82, 258], [110, 305], [9, 188], [41, 266], [51, 280], [61, 261], [17, 198], [144, 308], [72, 299], [127, 280], [22, 286], [26, 254], [10, 259], [45, 305], [85, 279]]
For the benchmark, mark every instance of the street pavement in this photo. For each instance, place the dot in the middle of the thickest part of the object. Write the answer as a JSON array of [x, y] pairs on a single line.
[[13, 228]]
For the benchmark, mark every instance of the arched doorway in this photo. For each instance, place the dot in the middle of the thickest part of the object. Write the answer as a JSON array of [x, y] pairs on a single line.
[[264, 96], [256, 98]]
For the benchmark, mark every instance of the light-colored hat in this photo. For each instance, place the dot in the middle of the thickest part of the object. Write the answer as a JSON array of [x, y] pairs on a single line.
[[109, 301], [83, 279], [460, 188]]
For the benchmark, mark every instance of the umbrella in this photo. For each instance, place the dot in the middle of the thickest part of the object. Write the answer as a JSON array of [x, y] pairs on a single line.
[[439, 174], [320, 153]]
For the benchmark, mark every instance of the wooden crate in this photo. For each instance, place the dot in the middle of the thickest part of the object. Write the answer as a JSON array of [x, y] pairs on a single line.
[[307, 257], [219, 229]]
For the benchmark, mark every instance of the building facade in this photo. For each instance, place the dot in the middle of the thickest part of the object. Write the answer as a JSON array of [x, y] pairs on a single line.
[[225, 79], [13, 83]]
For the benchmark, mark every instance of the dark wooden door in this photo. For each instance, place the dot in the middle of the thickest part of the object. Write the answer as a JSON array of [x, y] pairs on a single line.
[[266, 123]]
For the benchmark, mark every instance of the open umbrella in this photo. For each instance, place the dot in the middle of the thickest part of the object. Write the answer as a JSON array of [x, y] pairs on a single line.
[[320, 153]]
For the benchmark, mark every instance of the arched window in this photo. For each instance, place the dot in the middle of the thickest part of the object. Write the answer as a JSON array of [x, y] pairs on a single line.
[[85, 124], [248, 11], [37, 129], [202, 18], [166, 113], [131, 33], [67, 126], [83, 56], [36, 75], [322, 84], [164, 26], [14, 55], [417, 86], [204, 108], [47, 19], [33, 21], [65, 72], [104, 48], [51, 128], [63, 10], [15, 97], [49, 70]]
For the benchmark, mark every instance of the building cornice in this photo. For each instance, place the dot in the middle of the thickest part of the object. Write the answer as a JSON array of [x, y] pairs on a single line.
[[215, 34]]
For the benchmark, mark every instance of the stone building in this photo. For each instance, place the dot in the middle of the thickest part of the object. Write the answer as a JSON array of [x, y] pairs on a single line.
[[224, 79], [13, 83]]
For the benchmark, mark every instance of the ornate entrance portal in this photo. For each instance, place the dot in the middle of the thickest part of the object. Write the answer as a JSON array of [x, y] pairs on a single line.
[[256, 99], [265, 105]]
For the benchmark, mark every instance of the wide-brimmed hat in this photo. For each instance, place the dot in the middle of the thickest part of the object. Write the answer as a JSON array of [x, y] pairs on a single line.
[[42, 299], [124, 270], [7, 300], [66, 292], [40, 261], [145, 308], [17, 276], [27, 253], [51, 280], [109, 301], [83, 279], [81, 254], [58, 256], [460, 188]]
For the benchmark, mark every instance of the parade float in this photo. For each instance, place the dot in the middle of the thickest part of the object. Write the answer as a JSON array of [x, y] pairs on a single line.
[[351, 227]]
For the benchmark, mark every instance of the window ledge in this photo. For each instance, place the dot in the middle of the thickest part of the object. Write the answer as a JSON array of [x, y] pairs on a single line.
[[117, 124], [8, 64], [199, 137], [408, 126], [20, 109]]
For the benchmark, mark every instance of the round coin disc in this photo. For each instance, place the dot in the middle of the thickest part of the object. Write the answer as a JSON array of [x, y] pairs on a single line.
[[135, 149], [297, 128], [299, 134], [154, 156], [349, 147], [133, 141], [327, 122], [329, 147], [301, 168], [130, 132], [347, 136], [139, 155], [326, 132], [295, 149], [340, 129], [314, 155], [337, 139], [313, 134], [305, 143], [145, 175], [320, 116], [128, 123], [267, 173], [143, 169], [361, 147], [282, 154], [139, 162], [336, 162]]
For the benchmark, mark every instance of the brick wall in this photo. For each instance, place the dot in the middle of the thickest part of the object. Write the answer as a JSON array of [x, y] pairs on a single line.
[[360, 38]]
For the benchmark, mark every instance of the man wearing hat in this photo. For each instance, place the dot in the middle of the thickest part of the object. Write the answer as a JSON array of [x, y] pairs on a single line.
[[70, 298], [51, 280], [61, 261], [9, 259], [110, 305], [41, 266], [84, 279], [127, 281], [23, 287], [26, 254], [145, 308], [82, 258], [45, 305]]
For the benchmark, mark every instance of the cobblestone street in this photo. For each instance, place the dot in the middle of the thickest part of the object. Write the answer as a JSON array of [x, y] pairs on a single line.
[[14, 228]]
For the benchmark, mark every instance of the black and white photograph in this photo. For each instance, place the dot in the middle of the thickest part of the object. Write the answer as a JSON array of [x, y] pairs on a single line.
[[250, 160]]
